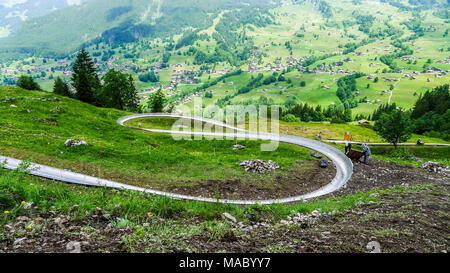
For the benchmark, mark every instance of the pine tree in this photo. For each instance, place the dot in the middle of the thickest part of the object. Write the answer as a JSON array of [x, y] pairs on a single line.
[[85, 79], [60, 87], [157, 101], [132, 99]]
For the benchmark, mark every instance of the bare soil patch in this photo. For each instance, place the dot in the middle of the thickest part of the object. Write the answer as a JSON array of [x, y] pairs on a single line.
[[304, 177], [381, 175], [402, 223]]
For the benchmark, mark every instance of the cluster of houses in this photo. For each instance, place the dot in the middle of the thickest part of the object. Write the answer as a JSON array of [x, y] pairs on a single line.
[[406, 58], [438, 72], [412, 75], [180, 76], [390, 79], [445, 61]]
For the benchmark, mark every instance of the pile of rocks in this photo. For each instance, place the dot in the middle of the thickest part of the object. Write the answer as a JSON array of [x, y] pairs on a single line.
[[72, 143], [305, 220], [259, 166], [436, 168]]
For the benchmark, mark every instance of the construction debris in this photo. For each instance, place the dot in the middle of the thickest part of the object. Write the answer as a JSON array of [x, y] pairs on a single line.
[[259, 166], [436, 168]]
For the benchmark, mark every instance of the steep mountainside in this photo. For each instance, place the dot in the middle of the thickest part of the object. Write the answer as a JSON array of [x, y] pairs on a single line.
[[66, 29], [13, 13]]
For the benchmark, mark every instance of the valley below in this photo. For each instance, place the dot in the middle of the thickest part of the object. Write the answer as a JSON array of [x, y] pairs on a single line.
[[149, 97]]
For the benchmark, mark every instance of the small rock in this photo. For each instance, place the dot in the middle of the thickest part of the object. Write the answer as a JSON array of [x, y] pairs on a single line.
[[229, 217], [238, 147], [74, 247], [98, 211], [245, 230], [18, 241], [23, 219], [374, 247], [315, 213], [72, 143], [13, 106]]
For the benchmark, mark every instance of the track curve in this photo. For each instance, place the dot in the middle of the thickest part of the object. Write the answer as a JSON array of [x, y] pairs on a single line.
[[344, 166]]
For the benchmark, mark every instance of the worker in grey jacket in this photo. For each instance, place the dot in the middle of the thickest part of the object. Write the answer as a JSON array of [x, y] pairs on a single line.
[[367, 153]]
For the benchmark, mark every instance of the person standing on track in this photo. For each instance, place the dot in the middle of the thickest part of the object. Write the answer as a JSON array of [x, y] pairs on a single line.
[[348, 144], [319, 136], [367, 153]]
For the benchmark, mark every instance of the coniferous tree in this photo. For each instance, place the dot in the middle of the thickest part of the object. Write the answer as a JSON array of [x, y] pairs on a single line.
[[60, 87], [132, 100], [85, 79], [156, 102]]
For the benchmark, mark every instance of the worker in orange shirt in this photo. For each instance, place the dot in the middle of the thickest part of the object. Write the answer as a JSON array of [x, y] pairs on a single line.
[[348, 144]]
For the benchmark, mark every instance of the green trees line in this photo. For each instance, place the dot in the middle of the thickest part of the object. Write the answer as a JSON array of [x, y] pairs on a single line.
[[430, 116], [113, 90]]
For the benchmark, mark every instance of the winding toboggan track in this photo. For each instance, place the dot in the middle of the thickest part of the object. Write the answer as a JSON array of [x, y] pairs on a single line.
[[344, 166]]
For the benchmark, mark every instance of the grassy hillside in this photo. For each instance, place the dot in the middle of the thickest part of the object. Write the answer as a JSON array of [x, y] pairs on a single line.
[[361, 133], [32, 132]]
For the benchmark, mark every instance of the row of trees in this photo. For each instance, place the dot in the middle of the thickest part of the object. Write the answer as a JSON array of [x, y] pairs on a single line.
[[430, 116], [306, 113], [346, 90], [117, 91]]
